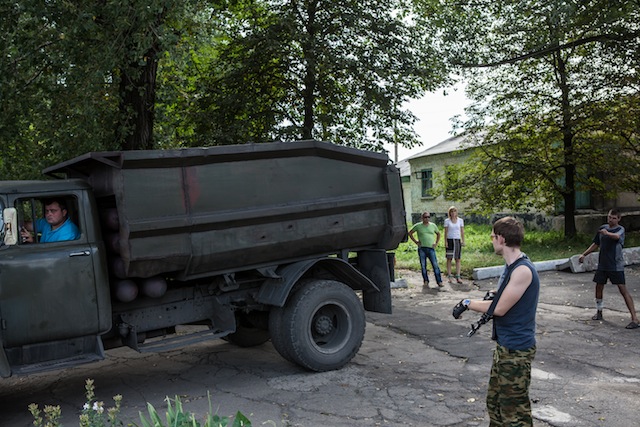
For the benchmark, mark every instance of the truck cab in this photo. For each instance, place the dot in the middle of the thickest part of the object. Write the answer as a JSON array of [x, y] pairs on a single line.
[[54, 297]]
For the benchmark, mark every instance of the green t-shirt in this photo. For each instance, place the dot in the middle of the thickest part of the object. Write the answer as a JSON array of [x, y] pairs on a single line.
[[426, 233]]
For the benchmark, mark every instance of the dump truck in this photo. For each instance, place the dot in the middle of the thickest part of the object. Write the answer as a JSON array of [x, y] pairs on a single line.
[[288, 241]]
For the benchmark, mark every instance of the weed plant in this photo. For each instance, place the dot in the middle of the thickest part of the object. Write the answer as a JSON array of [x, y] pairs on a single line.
[[94, 414], [478, 250]]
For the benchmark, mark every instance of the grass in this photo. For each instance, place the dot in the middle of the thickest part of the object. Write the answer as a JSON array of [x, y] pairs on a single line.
[[478, 250]]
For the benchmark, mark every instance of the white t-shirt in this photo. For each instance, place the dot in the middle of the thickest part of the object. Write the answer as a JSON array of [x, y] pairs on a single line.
[[453, 228]]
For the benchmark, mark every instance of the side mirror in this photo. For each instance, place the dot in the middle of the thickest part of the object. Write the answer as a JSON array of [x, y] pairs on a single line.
[[10, 226]]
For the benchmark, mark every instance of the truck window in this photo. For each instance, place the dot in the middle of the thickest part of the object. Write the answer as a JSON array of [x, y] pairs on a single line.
[[48, 220]]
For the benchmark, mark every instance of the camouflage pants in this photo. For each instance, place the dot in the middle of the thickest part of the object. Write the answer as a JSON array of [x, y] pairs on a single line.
[[508, 401]]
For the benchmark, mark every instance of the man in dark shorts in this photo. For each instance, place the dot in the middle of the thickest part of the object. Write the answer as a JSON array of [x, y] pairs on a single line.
[[610, 240]]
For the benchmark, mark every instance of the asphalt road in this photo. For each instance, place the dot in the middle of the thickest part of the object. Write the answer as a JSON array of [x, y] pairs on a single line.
[[416, 367]]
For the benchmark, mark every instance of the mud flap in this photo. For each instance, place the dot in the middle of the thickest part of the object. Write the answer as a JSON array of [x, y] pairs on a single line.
[[375, 265], [5, 369]]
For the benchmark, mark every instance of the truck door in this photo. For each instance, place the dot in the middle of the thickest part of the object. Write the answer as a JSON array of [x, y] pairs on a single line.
[[47, 290]]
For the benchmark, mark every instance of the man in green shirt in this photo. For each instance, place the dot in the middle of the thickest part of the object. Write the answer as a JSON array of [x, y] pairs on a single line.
[[427, 241]]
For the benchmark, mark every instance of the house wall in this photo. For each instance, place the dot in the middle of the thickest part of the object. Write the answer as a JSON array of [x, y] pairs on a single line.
[[437, 206], [406, 193], [626, 201]]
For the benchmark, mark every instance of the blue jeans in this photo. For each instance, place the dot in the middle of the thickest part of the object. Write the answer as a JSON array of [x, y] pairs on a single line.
[[430, 253]]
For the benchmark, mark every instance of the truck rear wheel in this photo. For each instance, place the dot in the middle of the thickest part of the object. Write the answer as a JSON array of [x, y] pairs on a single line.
[[321, 327]]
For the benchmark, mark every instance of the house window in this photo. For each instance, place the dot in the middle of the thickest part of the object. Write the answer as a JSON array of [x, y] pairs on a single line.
[[426, 182]]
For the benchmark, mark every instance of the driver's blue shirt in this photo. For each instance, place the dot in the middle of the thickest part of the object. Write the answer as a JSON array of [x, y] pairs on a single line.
[[67, 231]]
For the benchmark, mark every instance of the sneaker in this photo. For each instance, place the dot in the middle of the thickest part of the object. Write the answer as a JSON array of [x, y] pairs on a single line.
[[597, 316], [633, 325]]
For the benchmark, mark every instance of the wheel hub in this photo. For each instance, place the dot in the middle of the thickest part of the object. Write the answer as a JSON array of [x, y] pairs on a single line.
[[323, 325]]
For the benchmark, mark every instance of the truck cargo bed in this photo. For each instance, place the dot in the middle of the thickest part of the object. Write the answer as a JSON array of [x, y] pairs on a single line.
[[204, 211]]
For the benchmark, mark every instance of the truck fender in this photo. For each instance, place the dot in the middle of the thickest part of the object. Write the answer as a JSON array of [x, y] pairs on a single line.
[[275, 291]]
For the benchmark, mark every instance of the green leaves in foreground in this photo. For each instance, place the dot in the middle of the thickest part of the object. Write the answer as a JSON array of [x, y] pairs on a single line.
[[177, 417], [94, 414]]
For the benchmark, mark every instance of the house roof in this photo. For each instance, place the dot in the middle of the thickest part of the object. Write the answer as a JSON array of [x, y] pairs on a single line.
[[446, 146], [404, 167]]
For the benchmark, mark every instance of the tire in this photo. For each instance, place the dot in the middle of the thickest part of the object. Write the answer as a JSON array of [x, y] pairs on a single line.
[[277, 325], [278, 336], [321, 327], [248, 332]]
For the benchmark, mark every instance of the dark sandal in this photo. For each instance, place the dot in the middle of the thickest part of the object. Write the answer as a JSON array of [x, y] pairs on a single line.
[[632, 325]]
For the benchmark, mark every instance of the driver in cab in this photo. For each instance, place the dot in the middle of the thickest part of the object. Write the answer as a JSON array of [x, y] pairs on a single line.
[[54, 227]]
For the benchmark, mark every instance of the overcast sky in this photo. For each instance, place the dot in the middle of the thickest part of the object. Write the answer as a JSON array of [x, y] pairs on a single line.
[[434, 112]]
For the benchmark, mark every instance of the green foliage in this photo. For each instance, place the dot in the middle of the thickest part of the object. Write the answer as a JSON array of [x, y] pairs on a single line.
[[176, 416], [94, 414], [336, 71], [79, 76], [556, 108], [93, 411], [88, 76], [49, 417]]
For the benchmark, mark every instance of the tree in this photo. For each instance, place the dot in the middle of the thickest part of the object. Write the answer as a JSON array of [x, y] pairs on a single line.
[[546, 78], [337, 71], [79, 76], [119, 74]]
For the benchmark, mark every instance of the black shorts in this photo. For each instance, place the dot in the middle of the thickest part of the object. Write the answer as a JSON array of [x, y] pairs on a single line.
[[616, 277]]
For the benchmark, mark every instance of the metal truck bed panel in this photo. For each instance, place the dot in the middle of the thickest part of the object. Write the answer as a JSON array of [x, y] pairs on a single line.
[[204, 211]]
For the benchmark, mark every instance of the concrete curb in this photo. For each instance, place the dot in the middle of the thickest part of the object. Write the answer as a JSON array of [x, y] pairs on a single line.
[[488, 272], [631, 256]]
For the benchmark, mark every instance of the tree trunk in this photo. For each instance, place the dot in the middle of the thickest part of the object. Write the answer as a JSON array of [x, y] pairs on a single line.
[[310, 81], [570, 214], [569, 193], [137, 100]]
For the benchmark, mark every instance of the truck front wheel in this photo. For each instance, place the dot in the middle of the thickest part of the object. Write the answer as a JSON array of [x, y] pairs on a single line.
[[321, 327]]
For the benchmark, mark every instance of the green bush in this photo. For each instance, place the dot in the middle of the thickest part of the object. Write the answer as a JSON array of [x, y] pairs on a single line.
[[94, 414]]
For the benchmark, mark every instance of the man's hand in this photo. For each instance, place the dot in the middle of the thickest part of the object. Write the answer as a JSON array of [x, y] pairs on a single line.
[[26, 235], [489, 296], [460, 308]]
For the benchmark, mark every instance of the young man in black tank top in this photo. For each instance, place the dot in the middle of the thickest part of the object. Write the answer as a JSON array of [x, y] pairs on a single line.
[[513, 310]]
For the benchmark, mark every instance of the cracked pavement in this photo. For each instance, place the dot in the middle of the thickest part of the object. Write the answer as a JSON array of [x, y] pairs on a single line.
[[416, 367]]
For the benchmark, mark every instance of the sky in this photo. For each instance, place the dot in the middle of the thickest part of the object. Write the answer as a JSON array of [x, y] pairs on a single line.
[[434, 112]]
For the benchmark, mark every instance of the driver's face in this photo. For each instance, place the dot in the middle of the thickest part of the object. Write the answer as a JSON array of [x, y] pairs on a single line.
[[54, 214]]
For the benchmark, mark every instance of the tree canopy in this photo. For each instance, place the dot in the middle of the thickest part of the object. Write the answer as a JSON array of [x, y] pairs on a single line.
[[86, 76], [336, 71], [555, 85]]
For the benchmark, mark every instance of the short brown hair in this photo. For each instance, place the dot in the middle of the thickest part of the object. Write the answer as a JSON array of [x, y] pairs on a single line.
[[62, 203], [511, 230]]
